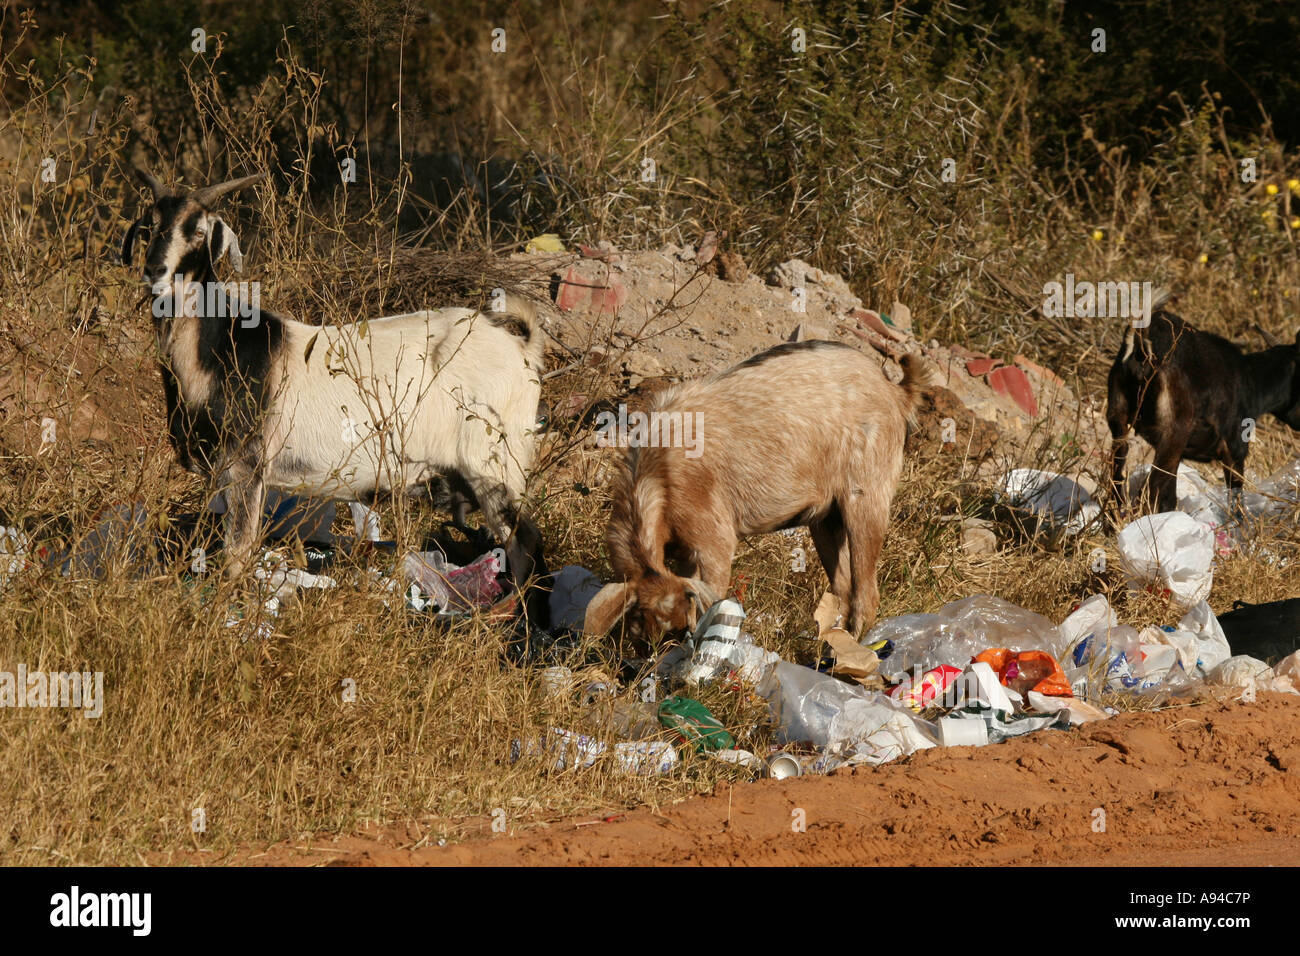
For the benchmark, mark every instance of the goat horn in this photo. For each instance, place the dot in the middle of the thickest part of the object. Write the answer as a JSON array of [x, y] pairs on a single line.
[[148, 178], [207, 195], [1269, 338]]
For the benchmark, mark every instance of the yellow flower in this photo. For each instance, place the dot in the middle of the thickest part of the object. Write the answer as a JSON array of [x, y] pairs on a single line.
[[1271, 189], [1293, 185], [1295, 223], [1202, 258], [1266, 214], [1098, 235]]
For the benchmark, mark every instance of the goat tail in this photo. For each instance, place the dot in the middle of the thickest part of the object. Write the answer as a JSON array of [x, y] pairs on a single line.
[[519, 314], [916, 376]]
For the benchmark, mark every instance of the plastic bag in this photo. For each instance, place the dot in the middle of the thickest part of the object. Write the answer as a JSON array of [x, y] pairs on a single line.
[[1049, 495], [567, 749], [571, 592], [1094, 615], [1286, 675], [1241, 672], [121, 537], [281, 581], [959, 631], [874, 732], [1212, 645], [1171, 550], [450, 588], [693, 722], [804, 702]]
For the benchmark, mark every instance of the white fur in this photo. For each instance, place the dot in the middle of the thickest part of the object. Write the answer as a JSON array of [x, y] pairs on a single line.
[[424, 392]]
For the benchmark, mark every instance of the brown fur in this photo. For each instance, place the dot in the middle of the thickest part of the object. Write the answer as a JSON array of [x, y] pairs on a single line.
[[808, 434]]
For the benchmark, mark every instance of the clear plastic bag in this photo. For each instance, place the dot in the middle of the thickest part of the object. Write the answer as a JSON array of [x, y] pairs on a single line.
[[959, 631]]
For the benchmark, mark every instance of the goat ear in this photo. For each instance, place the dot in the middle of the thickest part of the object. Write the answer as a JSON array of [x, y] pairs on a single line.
[[607, 607], [128, 243], [222, 239], [702, 593], [1297, 339]]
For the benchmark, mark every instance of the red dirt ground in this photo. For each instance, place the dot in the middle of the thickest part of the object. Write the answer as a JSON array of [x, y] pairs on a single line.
[[1217, 783]]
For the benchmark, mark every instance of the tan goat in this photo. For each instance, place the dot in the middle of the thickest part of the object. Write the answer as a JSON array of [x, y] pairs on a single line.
[[803, 434]]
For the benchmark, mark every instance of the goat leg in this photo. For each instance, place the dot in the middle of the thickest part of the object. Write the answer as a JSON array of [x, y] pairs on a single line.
[[245, 494], [1234, 469], [1162, 487], [1118, 411], [832, 543], [866, 536]]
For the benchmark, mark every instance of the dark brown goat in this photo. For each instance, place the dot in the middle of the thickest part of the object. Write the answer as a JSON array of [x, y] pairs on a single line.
[[1194, 395]]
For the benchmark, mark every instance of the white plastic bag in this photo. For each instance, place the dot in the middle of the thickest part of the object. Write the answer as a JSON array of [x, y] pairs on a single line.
[[1286, 675], [1243, 672], [1056, 497], [1172, 550], [1213, 646], [805, 703], [1093, 616], [875, 732]]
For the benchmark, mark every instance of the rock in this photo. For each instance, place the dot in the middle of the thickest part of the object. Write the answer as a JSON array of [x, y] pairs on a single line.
[[731, 268], [707, 248], [977, 538], [808, 331], [643, 364], [901, 316], [796, 272], [586, 286], [1011, 382]]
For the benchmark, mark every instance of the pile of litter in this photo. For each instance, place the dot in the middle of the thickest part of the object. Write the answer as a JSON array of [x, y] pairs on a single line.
[[978, 671]]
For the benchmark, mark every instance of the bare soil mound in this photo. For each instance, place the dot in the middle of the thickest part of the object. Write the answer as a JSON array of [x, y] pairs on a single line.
[[1216, 783]]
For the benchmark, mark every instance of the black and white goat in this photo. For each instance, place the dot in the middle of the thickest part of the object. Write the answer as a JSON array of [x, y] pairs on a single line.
[[353, 411]]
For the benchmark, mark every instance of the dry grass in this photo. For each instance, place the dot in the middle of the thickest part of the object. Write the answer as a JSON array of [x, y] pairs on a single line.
[[256, 732]]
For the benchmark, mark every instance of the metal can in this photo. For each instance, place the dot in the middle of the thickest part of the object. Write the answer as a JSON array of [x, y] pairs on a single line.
[[782, 766]]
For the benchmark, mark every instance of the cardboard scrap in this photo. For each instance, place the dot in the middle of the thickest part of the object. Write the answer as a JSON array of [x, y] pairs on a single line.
[[851, 658]]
